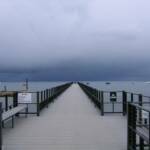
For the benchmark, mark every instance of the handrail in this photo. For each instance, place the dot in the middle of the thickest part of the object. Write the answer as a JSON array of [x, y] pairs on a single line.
[[0, 126], [122, 98], [140, 107], [138, 125]]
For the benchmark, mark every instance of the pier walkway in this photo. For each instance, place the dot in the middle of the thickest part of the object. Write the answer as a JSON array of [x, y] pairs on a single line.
[[71, 123]]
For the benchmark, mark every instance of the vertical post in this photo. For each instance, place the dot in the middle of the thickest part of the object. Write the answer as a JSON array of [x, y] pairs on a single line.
[[52, 93], [131, 126], [99, 97], [140, 100], [27, 86], [41, 96], [38, 104], [12, 122], [124, 102], [47, 97], [0, 126], [129, 138], [102, 103], [131, 97], [44, 95], [96, 93], [15, 99], [48, 93], [140, 111], [149, 128], [6, 103], [141, 141], [134, 126]]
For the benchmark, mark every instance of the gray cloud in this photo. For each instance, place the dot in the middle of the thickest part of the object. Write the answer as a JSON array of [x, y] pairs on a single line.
[[39, 34]]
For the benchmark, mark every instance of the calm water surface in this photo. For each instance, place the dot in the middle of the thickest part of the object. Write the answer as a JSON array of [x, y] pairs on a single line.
[[134, 86]]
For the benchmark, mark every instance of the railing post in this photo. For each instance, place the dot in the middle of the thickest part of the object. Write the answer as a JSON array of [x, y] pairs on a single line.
[[129, 134], [0, 126], [6, 103], [48, 94], [131, 126], [102, 103], [41, 96], [44, 95], [52, 93], [124, 102], [134, 111], [38, 104], [140, 111], [96, 93], [47, 100], [131, 97], [140, 100], [149, 128], [99, 98], [15, 101]]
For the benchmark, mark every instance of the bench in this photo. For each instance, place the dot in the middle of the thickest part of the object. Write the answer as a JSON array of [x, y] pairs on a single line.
[[144, 133], [12, 112]]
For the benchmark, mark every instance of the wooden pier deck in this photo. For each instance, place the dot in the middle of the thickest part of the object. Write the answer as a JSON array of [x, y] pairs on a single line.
[[71, 123]]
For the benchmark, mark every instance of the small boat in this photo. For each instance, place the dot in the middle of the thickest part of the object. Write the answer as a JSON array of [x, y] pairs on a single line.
[[107, 83]]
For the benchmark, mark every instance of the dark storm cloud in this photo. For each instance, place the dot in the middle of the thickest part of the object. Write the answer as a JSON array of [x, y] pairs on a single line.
[[80, 70], [82, 39]]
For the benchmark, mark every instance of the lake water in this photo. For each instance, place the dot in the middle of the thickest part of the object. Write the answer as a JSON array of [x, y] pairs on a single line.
[[136, 87], [33, 86]]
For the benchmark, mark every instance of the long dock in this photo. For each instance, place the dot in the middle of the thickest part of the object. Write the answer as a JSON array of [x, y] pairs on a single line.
[[70, 123]]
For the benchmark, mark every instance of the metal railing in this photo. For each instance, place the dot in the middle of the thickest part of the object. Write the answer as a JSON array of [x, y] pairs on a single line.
[[114, 101], [39, 99], [0, 126], [9, 100], [138, 127], [43, 98]]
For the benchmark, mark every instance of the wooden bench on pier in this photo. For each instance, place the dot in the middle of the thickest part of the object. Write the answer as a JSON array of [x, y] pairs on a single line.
[[12, 113], [143, 132]]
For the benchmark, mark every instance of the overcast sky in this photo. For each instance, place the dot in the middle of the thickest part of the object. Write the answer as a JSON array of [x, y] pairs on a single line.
[[75, 39]]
